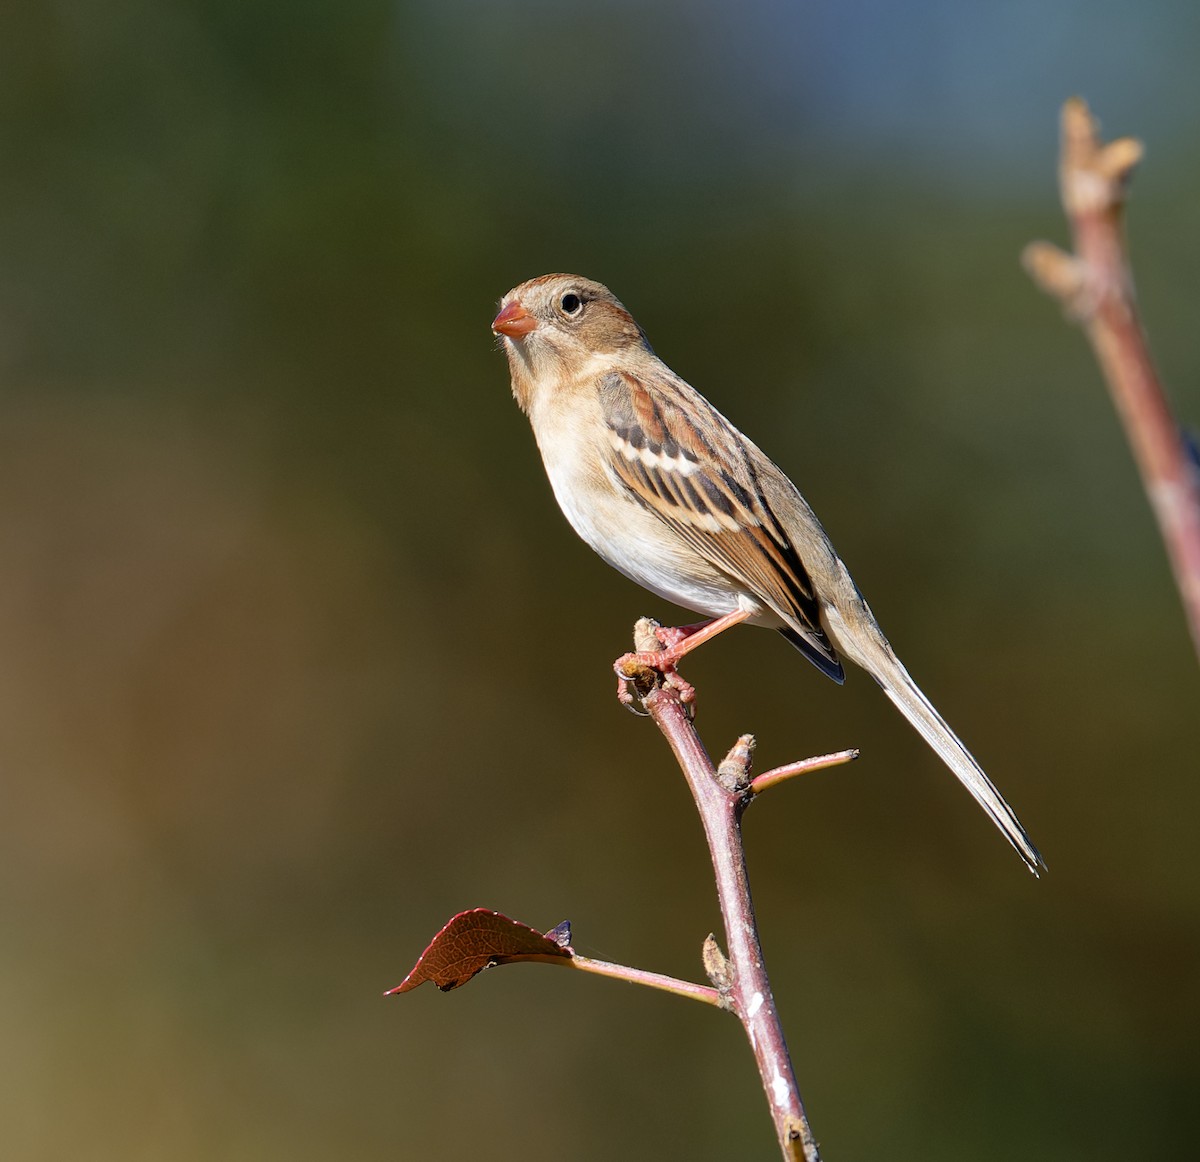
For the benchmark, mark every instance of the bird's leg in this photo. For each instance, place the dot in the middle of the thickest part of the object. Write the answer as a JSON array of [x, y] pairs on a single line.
[[682, 639], [671, 635], [677, 641]]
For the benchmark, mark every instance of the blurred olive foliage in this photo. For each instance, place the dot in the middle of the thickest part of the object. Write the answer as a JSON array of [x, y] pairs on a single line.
[[298, 657]]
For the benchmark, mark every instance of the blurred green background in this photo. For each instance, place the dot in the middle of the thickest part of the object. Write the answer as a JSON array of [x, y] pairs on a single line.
[[298, 657]]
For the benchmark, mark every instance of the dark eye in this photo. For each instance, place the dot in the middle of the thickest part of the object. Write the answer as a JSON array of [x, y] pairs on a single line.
[[571, 304]]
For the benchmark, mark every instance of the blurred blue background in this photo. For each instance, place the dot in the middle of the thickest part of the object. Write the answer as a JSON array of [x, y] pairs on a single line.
[[299, 658]]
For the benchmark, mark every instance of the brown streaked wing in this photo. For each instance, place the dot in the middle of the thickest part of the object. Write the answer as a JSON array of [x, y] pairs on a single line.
[[682, 460]]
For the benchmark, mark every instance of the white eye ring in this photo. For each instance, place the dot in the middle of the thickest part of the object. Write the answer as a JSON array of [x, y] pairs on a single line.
[[570, 304]]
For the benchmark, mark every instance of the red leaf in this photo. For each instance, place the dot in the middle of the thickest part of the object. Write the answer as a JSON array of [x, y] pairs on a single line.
[[476, 940]]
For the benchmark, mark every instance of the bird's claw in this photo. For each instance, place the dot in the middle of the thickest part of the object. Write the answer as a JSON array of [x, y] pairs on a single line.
[[638, 673], [627, 700]]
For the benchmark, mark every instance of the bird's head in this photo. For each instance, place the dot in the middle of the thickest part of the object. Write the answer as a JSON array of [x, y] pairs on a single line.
[[556, 330]]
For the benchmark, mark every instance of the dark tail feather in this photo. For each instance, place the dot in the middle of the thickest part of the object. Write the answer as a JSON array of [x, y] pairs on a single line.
[[828, 665]]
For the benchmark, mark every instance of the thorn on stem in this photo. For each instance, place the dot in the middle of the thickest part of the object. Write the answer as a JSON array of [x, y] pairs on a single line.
[[1093, 176], [734, 772], [645, 640], [561, 934], [716, 964], [1118, 158], [1055, 271]]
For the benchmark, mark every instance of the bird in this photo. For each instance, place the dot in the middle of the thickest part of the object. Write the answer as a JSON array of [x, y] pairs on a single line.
[[671, 494]]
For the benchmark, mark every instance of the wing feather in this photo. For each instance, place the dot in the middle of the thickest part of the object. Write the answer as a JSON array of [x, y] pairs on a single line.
[[681, 459]]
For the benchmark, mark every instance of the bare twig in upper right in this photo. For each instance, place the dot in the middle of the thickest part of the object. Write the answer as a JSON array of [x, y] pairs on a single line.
[[1095, 285]]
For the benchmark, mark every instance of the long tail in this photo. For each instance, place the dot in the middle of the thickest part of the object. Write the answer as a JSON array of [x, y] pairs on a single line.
[[865, 645]]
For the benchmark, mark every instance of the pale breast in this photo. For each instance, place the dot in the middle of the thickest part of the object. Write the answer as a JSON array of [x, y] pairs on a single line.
[[617, 526]]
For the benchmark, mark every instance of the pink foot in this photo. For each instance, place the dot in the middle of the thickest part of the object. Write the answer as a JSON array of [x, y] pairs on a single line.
[[672, 636], [642, 665], [630, 667]]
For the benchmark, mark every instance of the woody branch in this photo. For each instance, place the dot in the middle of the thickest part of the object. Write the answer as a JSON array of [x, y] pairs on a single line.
[[1095, 285], [721, 795]]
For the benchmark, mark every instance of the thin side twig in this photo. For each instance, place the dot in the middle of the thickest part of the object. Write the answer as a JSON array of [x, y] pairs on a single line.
[[742, 975], [655, 980], [1095, 284], [777, 775]]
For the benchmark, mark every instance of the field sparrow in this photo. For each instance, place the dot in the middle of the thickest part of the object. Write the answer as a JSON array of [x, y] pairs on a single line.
[[669, 492]]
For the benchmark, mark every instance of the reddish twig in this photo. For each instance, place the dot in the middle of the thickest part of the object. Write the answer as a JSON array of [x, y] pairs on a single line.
[[743, 977], [654, 980], [774, 777], [1096, 286], [721, 796]]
